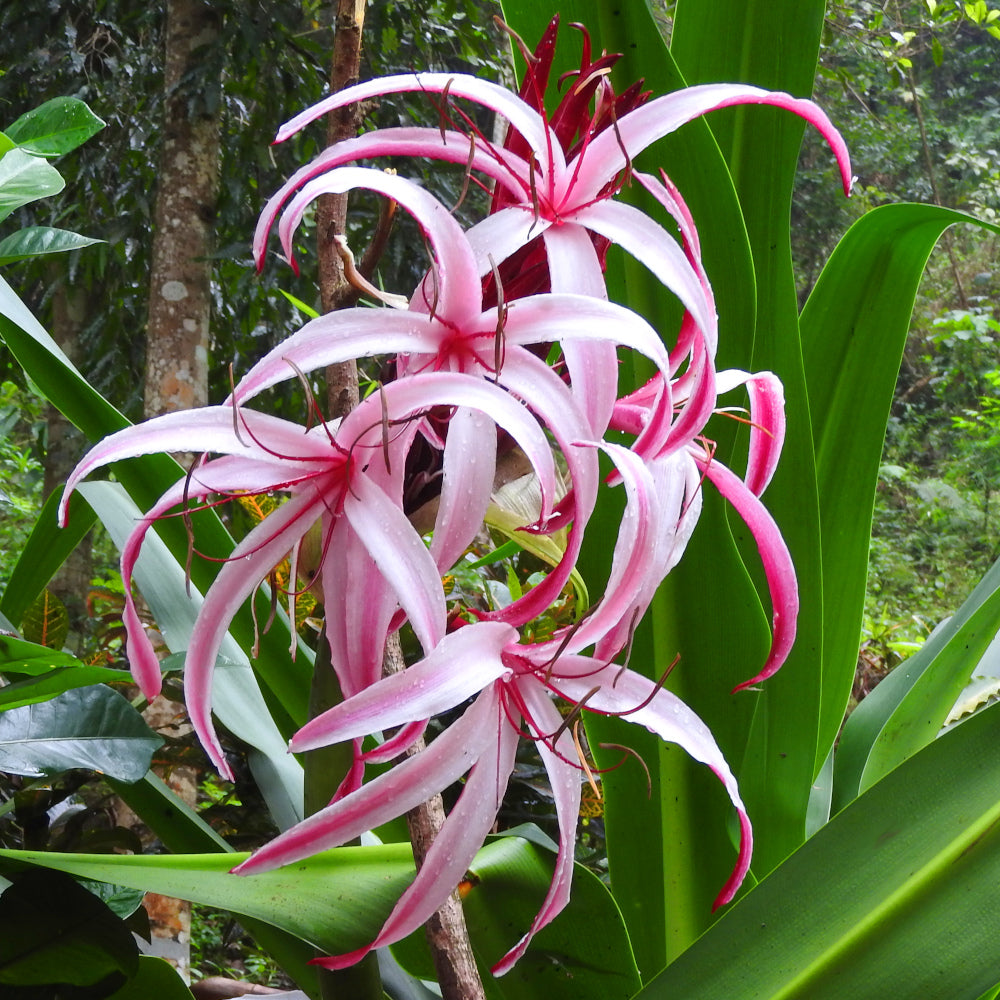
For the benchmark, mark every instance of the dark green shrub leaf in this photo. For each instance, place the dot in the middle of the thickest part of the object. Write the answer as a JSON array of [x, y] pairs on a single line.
[[94, 728]]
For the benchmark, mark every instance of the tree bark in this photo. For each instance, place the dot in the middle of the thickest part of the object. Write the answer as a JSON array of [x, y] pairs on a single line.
[[177, 336]]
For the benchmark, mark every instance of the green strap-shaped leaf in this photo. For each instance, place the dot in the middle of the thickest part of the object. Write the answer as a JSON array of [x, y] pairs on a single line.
[[46, 549], [854, 329], [336, 901], [906, 711], [896, 896]]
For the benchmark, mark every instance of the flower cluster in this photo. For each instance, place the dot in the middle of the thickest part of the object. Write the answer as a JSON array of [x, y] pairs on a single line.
[[508, 345]]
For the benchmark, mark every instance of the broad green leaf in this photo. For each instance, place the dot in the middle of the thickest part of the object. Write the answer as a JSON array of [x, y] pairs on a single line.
[[895, 897], [336, 901], [36, 241], [854, 328], [55, 127], [25, 178], [6, 144], [52, 930], [907, 709], [94, 728], [584, 952], [156, 977]]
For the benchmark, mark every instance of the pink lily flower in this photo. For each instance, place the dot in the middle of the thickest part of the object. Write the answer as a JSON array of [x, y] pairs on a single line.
[[446, 325], [451, 331], [548, 191], [513, 685], [347, 478]]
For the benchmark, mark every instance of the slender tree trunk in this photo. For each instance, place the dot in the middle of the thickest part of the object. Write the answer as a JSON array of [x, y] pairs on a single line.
[[180, 281], [177, 336]]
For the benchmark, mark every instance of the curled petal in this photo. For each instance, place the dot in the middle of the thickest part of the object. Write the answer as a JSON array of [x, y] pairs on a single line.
[[767, 423], [521, 115], [640, 128], [222, 475], [650, 244], [452, 147], [336, 337], [456, 843], [531, 379], [457, 274], [252, 560], [623, 692], [593, 366], [211, 428], [778, 568], [465, 485], [401, 557]]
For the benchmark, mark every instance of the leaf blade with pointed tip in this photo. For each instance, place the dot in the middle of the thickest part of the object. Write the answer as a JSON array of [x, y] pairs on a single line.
[[94, 728], [56, 127]]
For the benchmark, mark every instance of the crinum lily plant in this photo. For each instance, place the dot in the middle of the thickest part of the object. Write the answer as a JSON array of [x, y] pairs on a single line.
[[508, 346]]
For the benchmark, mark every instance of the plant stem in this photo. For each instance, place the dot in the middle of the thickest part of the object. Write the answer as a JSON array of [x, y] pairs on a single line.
[[446, 931]]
